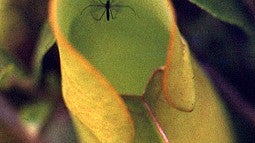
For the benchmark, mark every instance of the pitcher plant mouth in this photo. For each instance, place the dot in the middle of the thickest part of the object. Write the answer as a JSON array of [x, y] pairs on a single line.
[[101, 47]]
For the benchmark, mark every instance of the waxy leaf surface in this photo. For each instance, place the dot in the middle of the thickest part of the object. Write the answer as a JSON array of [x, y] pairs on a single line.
[[178, 81], [139, 36], [208, 122], [98, 111], [147, 129], [125, 49]]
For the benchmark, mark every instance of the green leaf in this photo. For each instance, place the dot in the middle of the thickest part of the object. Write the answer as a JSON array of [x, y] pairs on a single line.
[[125, 49], [9, 70], [5, 58], [231, 11], [45, 42], [235, 13], [34, 116], [146, 129]]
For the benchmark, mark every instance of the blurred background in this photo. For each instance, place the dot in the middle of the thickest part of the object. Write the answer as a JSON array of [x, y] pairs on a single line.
[[225, 48], [216, 44]]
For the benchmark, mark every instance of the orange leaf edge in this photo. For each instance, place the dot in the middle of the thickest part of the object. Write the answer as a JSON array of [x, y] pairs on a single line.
[[169, 56]]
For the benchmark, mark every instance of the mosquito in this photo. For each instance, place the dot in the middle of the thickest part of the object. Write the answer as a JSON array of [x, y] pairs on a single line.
[[109, 7]]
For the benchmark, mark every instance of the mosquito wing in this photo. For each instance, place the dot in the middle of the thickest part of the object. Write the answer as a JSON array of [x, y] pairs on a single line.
[[118, 8], [97, 11]]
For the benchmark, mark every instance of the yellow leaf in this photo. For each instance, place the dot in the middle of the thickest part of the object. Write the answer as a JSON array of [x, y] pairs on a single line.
[[178, 83], [182, 82], [98, 111], [209, 122]]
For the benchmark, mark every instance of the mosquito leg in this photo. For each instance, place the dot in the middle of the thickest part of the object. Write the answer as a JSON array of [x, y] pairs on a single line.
[[85, 9], [112, 14], [102, 15], [98, 19], [91, 5]]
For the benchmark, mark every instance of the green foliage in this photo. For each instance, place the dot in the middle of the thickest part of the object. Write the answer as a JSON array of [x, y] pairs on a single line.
[[235, 13], [35, 115], [9, 70], [229, 11], [45, 42]]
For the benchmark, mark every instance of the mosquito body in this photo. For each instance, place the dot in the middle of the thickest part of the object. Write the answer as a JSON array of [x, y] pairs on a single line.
[[108, 8]]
